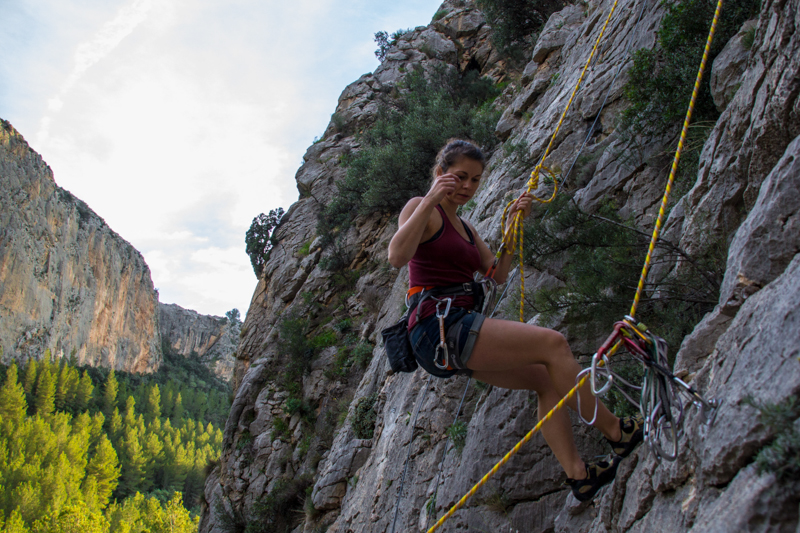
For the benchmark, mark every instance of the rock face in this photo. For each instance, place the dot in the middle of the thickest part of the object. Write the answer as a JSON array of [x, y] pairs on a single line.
[[210, 339], [744, 195], [68, 283]]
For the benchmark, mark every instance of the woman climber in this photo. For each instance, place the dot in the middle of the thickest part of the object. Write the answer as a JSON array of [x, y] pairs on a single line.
[[443, 252]]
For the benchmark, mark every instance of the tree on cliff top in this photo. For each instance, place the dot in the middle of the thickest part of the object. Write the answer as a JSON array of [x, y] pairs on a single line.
[[259, 240]]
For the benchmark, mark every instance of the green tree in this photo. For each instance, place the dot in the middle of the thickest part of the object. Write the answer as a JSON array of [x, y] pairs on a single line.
[[400, 148], [12, 398], [29, 381], [233, 316], [14, 523], [110, 393], [84, 392], [152, 407], [133, 463], [177, 411], [74, 518], [45, 394], [115, 425], [103, 471], [154, 460], [259, 240]]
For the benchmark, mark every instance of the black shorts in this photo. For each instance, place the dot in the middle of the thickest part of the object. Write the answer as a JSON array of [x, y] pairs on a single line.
[[461, 331]]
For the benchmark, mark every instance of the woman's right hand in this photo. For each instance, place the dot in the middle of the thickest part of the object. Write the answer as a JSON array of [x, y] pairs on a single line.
[[442, 186]]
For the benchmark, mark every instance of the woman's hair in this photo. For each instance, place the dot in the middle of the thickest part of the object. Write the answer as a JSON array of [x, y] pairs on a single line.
[[454, 150]]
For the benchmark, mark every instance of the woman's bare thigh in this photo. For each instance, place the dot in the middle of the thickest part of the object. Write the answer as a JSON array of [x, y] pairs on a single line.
[[531, 377], [506, 345]]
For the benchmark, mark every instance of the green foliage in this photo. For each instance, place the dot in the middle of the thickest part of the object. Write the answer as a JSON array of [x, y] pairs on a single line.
[[60, 467], [749, 38], [515, 23], [292, 331], [498, 502], [324, 340], [400, 148], [782, 454], [245, 439], [458, 434], [259, 240], [385, 42], [274, 513], [361, 353], [364, 417], [440, 14], [304, 250], [661, 80], [233, 316], [466, 208], [599, 257]]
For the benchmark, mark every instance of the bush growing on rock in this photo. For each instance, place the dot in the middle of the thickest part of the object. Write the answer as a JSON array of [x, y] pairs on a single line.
[[400, 148]]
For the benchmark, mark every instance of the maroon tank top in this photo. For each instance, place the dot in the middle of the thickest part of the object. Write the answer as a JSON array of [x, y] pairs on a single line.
[[443, 260]]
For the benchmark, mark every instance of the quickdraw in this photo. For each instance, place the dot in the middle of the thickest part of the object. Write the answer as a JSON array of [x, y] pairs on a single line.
[[660, 394]]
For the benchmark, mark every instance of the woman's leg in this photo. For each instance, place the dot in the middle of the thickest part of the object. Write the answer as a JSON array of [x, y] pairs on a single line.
[[503, 345], [558, 430]]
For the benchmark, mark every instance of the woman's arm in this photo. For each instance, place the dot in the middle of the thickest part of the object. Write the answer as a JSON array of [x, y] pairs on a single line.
[[415, 219]]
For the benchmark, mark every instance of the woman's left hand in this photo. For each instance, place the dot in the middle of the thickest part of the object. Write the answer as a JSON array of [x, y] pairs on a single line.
[[523, 204]]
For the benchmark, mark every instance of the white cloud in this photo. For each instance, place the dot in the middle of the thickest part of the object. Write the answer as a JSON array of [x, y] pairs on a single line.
[[179, 121]]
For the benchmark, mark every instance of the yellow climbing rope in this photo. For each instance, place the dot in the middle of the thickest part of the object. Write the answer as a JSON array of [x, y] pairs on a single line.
[[654, 238], [674, 169], [513, 236]]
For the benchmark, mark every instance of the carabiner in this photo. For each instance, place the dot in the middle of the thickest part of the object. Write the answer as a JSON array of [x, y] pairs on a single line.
[[442, 347], [610, 379]]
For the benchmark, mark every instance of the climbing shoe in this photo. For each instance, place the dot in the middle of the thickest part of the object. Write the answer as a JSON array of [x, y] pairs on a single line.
[[598, 473], [632, 435]]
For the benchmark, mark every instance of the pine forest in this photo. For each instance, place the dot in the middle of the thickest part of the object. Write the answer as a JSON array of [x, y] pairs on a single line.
[[91, 450]]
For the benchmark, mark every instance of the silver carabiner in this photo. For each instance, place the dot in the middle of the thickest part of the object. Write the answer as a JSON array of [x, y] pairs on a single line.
[[610, 379], [442, 347]]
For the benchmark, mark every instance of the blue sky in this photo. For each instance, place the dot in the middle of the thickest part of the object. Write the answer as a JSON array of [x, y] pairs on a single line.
[[178, 121]]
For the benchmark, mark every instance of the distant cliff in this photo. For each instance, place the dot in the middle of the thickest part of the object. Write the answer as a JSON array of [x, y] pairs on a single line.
[[68, 283], [71, 285], [210, 339]]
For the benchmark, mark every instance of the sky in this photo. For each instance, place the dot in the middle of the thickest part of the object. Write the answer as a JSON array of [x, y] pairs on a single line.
[[179, 121]]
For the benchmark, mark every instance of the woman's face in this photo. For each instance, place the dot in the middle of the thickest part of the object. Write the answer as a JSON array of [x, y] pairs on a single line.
[[469, 172]]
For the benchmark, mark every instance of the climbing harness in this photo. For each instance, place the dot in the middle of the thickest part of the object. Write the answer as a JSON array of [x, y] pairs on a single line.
[[661, 423]]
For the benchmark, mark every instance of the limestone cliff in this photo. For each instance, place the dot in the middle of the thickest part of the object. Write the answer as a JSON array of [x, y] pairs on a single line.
[[68, 283], [209, 339], [744, 195]]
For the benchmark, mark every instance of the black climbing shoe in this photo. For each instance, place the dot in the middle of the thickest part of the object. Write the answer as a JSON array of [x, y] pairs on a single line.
[[632, 435], [598, 473]]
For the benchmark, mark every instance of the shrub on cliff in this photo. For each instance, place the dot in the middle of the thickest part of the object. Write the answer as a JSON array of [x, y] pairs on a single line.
[[661, 80], [400, 148], [516, 22]]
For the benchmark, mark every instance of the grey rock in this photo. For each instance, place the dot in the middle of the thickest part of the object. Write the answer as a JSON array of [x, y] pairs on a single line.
[[769, 239], [557, 30], [728, 67]]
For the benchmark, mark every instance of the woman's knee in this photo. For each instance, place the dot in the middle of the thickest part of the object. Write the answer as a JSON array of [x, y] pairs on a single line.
[[554, 342]]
